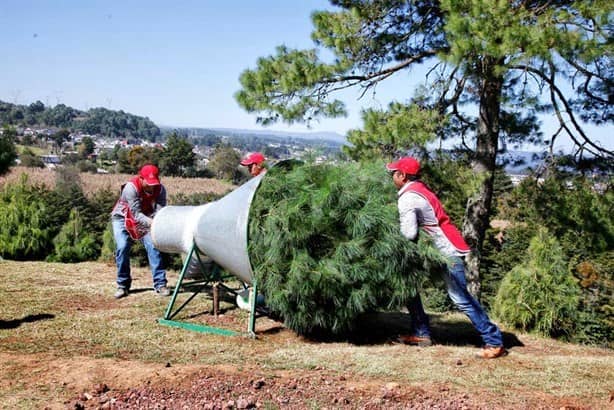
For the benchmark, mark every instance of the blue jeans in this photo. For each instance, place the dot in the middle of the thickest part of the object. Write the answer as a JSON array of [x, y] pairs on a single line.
[[123, 244], [466, 303]]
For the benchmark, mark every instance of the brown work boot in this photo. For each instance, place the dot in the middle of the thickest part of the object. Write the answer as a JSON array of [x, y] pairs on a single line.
[[492, 352], [413, 340]]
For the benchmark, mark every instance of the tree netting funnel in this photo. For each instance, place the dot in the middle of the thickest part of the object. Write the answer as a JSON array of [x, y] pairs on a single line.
[[218, 229]]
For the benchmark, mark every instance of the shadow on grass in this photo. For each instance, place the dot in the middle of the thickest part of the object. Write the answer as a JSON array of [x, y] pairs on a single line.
[[13, 324], [371, 329], [140, 290], [384, 327]]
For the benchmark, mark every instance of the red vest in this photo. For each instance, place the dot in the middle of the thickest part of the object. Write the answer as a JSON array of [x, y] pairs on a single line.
[[148, 205], [148, 201], [447, 227]]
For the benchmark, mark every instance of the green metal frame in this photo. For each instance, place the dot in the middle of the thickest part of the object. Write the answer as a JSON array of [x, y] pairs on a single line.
[[214, 276]]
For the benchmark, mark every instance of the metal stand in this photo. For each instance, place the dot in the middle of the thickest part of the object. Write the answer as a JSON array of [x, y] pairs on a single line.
[[217, 279]]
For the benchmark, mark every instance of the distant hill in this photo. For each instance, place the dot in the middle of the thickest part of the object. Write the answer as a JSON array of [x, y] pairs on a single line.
[[322, 135], [95, 121], [331, 137]]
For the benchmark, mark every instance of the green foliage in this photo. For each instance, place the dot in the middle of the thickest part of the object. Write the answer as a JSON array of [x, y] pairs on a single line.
[[435, 297], [100, 204], [540, 294], [579, 216], [285, 79], [86, 147], [325, 246], [66, 196], [225, 163], [505, 61], [129, 161], [112, 123], [596, 315], [60, 137], [389, 133], [8, 152], [480, 40], [30, 159], [35, 215], [107, 251], [178, 156], [501, 253], [74, 243], [86, 166], [99, 121], [25, 226]]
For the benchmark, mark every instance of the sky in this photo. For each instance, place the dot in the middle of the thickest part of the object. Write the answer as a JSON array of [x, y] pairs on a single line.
[[176, 62]]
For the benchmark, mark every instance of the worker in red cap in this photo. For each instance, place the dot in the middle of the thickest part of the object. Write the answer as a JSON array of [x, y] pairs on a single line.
[[420, 208], [254, 163], [141, 197]]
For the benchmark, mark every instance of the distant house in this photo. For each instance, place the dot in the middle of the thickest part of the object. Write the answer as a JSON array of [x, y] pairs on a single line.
[[50, 161]]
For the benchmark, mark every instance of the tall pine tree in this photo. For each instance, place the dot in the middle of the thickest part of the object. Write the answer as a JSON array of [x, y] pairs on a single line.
[[493, 66]]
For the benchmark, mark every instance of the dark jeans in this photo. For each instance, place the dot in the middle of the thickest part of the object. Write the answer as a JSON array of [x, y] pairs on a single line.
[[466, 303], [123, 244]]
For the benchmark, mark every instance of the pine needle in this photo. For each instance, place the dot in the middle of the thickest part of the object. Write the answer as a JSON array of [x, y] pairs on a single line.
[[326, 247]]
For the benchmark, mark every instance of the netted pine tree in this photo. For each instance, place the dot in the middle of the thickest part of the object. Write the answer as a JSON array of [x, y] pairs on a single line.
[[325, 245], [540, 295]]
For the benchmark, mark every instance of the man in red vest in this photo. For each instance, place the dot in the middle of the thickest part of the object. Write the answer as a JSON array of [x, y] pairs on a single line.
[[254, 163], [420, 208], [132, 215]]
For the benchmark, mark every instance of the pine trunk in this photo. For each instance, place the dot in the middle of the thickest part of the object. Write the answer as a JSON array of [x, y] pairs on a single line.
[[477, 214]]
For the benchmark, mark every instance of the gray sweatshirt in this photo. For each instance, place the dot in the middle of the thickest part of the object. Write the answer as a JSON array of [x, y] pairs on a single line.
[[130, 197]]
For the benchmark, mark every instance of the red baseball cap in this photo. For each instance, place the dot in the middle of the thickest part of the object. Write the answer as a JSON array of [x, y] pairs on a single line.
[[407, 165], [150, 174], [253, 158]]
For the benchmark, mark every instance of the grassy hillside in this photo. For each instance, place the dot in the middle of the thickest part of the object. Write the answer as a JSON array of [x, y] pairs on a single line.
[[64, 341]]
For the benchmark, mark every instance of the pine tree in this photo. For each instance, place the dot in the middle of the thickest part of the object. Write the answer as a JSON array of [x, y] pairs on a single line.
[[325, 245], [74, 243], [8, 152], [24, 224], [492, 67], [540, 295]]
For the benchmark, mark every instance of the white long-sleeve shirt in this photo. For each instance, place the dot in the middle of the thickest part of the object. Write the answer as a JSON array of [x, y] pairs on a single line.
[[415, 212]]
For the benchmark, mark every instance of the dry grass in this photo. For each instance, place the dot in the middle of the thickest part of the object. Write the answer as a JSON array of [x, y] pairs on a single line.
[[95, 182], [54, 313]]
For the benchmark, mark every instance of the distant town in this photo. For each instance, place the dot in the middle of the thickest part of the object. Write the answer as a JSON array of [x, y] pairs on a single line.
[[99, 139]]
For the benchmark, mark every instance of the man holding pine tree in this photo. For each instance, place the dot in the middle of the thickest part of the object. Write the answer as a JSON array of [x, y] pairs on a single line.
[[419, 207]]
